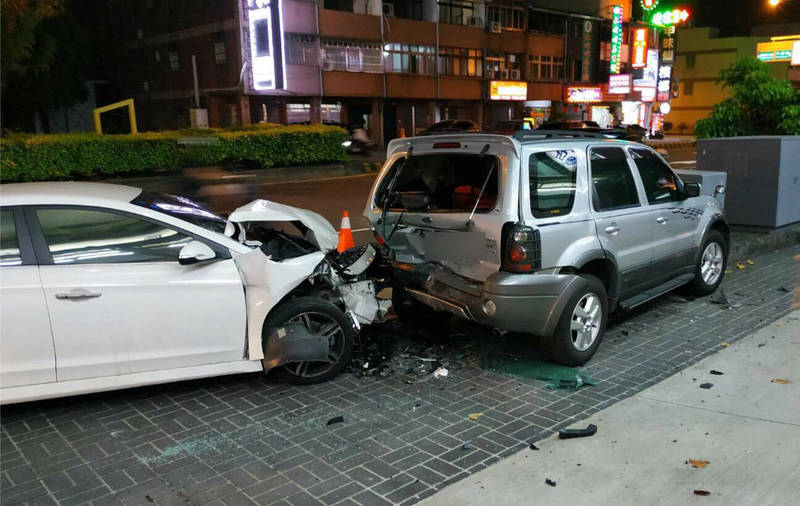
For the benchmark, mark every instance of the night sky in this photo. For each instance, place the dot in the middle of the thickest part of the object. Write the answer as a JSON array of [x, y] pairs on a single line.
[[736, 17]]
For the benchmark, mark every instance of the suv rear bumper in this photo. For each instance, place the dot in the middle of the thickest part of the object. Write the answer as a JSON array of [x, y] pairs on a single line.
[[530, 303]]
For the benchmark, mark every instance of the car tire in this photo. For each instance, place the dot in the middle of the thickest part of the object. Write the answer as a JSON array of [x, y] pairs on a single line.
[[711, 264], [412, 312], [319, 315], [570, 344]]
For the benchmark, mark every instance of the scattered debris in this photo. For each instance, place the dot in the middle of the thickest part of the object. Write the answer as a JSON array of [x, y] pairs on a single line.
[[797, 257], [474, 416], [702, 492], [724, 344], [783, 289], [591, 430], [728, 271], [699, 464], [550, 482], [750, 261], [467, 446], [761, 345], [706, 386], [441, 372], [721, 299], [716, 373], [625, 333], [534, 447], [678, 299], [781, 381], [560, 377], [335, 420], [740, 265]]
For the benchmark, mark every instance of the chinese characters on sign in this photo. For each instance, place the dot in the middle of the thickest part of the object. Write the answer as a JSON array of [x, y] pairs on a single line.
[[587, 43], [775, 51], [581, 95], [616, 38], [639, 48], [619, 84], [669, 18], [508, 90], [668, 48]]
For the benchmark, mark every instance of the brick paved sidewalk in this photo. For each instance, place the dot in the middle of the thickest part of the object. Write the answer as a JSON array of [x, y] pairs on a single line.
[[242, 440]]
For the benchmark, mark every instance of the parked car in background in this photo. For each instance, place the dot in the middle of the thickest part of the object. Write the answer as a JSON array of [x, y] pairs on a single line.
[[541, 233], [452, 125], [511, 126], [635, 132], [106, 286], [570, 125]]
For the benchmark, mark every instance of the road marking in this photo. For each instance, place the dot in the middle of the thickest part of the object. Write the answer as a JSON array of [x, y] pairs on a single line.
[[237, 176], [317, 180], [684, 163]]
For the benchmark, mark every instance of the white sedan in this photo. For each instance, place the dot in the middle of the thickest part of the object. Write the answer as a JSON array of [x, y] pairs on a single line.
[[107, 286]]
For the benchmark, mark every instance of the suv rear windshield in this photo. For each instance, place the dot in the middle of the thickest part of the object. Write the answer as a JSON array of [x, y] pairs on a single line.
[[442, 183]]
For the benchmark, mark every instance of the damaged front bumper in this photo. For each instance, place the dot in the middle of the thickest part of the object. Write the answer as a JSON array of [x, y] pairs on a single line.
[[530, 303]]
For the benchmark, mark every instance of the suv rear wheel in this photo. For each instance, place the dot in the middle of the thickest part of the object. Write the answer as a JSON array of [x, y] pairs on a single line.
[[582, 324], [710, 268]]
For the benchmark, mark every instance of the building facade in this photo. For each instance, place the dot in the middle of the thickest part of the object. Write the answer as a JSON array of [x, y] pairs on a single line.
[[396, 66]]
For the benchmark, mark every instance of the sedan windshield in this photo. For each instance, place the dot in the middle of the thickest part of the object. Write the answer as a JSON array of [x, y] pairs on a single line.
[[181, 208]]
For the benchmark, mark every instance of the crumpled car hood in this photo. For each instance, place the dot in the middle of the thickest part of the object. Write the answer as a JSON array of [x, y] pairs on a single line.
[[325, 235]]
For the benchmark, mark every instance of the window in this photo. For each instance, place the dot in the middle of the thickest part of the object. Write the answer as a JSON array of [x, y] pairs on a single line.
[[457, 12], [552, 176], [157, 56], [260, 32], [181, 208], [82, 236], [660, 183], [409, 58], [545, 67], [510, 17], [9, 245], [455, 61], [690, 58], [612, 181], [444, 183], [688, 87], [219, 53], [301, 49], [351, 56], [408, 9], [174, 62], [339, 5]]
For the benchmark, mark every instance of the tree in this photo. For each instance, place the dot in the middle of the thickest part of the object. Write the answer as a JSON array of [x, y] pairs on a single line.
[[760, 104], [45, 59]]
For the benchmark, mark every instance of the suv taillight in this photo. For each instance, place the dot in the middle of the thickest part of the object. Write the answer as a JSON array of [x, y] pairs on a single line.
[[522, 249]]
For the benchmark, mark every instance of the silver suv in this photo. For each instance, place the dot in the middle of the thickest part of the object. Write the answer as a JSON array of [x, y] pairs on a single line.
[[541, 232]]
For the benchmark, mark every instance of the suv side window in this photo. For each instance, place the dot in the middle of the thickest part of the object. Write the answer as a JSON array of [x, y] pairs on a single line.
[[552, 177], [9, 245], [660, 183], [84, 236], [613, 185]]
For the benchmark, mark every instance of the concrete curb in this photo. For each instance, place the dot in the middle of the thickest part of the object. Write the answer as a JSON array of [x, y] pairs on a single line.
[[746, 244]]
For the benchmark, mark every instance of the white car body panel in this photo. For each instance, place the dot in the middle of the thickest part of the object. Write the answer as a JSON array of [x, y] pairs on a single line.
[[149, 316], [325, 235], [92, 385], [27, 356], [266, 284]]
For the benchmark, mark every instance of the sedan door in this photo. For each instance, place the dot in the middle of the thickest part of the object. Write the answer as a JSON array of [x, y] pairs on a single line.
[[624, 226], [121, 303], [27, 356]]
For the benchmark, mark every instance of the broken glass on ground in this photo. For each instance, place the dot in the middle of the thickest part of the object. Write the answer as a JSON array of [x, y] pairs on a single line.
[[559, 376]]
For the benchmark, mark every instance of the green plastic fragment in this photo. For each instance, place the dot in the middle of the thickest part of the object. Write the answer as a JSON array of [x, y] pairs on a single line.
[[559, 376]]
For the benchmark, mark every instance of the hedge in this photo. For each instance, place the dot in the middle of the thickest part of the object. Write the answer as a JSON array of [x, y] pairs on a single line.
[[85, 156]]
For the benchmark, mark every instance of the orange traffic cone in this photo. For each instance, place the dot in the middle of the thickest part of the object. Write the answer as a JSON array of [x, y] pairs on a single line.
[[345, 234]]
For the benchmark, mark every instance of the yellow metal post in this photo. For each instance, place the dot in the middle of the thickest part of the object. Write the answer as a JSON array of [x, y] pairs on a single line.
[[110, 107]]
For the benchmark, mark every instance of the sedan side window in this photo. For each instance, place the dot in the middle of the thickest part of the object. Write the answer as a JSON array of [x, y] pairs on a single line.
[[83, 236], [660, 183], [9, 245], [552, 177], [612, 180]]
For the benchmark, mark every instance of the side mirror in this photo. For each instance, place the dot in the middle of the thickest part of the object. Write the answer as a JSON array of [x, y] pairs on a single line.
[[195, 252], [692, 190]]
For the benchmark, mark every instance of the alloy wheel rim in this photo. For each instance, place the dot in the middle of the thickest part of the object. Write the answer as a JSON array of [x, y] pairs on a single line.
[[324, 325], [711, 263], [585, 322]]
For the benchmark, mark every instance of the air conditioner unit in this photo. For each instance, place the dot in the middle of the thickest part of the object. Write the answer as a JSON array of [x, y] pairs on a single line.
[[514, 74], [388, 10], [496, 27], [474, 21], [504, 74]]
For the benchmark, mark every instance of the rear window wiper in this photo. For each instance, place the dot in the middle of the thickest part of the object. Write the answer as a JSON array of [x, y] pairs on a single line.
[[469, 225], [390, 191]]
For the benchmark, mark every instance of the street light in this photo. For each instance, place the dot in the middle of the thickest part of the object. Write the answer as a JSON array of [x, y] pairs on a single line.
[[774, 3]]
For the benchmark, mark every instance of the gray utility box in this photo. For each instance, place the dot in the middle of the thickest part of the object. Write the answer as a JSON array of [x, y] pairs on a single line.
[[763, 187], [709, 180]]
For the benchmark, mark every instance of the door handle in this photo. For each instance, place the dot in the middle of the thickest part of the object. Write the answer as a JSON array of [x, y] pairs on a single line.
[[612, 229], [78, 294], [661, 220]]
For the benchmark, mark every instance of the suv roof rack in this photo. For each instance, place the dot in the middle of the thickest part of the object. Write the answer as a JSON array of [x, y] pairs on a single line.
[[535, 135]]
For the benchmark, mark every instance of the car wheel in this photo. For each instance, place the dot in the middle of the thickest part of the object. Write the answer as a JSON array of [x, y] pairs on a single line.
[[321, 318], [710, 268], [581, 326], [412, 312]]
